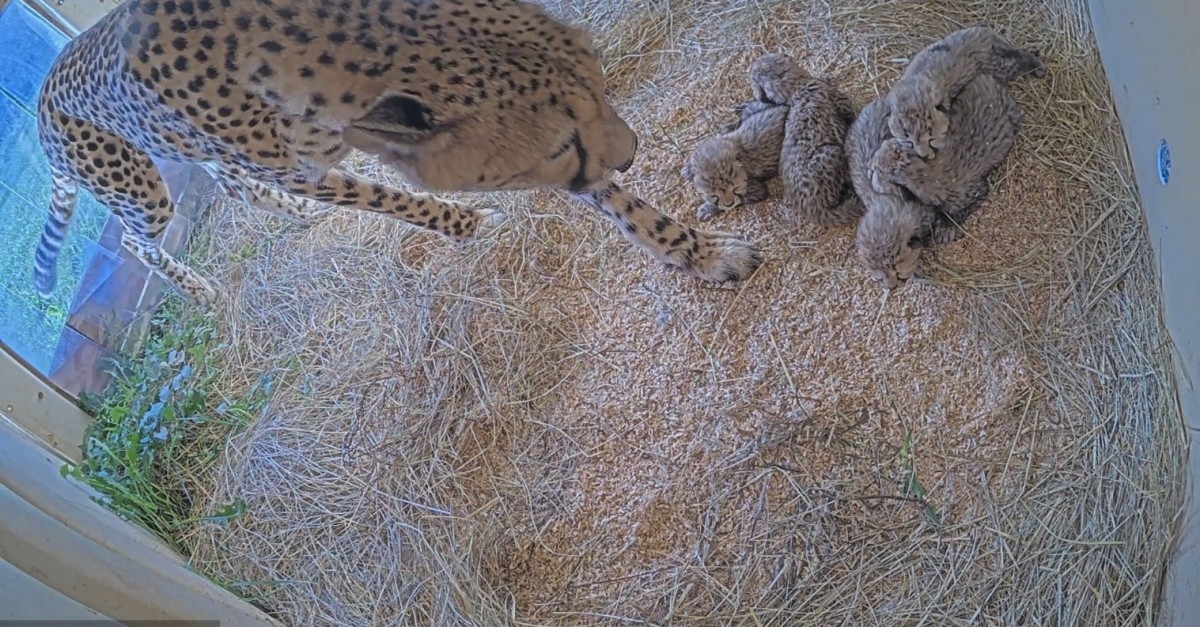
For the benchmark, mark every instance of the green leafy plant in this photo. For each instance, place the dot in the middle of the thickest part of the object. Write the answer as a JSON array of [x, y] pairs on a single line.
[[161, 425]]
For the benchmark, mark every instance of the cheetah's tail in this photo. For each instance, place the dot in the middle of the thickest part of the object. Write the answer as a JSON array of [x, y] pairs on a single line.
[[62, 205]]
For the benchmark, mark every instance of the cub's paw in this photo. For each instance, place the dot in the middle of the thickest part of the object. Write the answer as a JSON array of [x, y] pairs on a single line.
[[947, 233], [708, 211], [890, 164]]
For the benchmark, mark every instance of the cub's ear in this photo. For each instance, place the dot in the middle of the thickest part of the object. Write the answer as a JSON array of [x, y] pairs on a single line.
[[686, 172], [394, 121]]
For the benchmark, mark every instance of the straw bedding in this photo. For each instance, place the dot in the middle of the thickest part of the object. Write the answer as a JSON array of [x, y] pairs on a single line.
[[544, 427]]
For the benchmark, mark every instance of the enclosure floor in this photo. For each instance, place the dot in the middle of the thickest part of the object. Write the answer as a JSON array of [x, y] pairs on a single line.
[[546, 426]]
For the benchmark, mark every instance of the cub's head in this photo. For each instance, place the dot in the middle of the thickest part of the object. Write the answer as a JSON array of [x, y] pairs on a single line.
[[775, 78], [915, 118], [716, 172], [520, 105], [890, 165], [888, 241]]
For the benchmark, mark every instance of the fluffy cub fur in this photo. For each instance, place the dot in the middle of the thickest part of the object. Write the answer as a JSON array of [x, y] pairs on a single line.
[[984, 122], [920, 100], [732, 169], [889, 239], [912, 203], [812, 162]]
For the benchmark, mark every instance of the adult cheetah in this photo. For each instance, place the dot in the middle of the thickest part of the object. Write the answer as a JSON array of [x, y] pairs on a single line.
[[271, 95]]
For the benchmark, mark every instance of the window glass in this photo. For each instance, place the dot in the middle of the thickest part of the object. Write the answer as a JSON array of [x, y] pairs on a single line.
[[30, 325]]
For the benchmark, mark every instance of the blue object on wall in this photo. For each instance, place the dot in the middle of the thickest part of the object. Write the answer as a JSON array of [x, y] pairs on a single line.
[[1164, 162]]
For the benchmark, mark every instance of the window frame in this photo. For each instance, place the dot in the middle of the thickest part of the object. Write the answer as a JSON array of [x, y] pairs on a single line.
[[44, 11]]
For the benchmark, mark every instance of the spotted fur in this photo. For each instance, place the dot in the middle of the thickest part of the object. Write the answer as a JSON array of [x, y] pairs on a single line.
[[271, 95], [889, 239], [913, 204], [732, 169], [812, 161], [983, 125], [919, 102], [711, 256]]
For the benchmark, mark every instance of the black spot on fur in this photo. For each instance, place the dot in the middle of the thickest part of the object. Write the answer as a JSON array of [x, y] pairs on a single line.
[[297, 34]]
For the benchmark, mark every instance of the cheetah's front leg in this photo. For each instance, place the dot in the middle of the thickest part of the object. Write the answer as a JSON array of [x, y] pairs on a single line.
[[457, 222], [709, 256]]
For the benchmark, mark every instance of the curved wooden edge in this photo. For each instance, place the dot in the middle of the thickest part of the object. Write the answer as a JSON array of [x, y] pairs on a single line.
[[40, 407], [52, 531]]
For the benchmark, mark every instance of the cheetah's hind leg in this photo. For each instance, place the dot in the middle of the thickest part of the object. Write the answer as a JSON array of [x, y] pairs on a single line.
[[706, 255], [132, 188], [302, 211], [455, 221], [948, 227]]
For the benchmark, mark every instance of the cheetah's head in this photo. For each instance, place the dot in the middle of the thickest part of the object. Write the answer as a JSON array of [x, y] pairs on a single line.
[[916, 121], [522, 114], [888, 241], [717, 174]]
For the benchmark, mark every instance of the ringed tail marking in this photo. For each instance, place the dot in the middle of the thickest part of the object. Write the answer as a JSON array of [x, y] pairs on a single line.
[[62, 206]]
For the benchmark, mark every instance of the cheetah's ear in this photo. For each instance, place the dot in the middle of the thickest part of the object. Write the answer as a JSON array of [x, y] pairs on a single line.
[[394, 122], [400, 110]]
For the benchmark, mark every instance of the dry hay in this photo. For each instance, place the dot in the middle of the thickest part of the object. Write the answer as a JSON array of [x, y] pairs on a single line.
[[546, 428]]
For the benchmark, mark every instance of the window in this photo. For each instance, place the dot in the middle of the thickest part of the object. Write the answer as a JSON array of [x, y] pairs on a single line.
[[101, 288]]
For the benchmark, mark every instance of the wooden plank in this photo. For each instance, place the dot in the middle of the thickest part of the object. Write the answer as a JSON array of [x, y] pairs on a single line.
[[53, 532], [41, 408], [24, 598]]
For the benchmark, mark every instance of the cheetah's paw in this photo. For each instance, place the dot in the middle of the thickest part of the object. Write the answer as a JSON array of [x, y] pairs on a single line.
[[477, 224], [944, 234], [200, 291], [309, 220], [723, 257]]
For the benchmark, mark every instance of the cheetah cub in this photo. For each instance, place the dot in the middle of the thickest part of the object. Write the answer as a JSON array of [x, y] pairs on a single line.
[[812, 160], [732, 169], [890, 235], [984, 122], [919, 102]]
